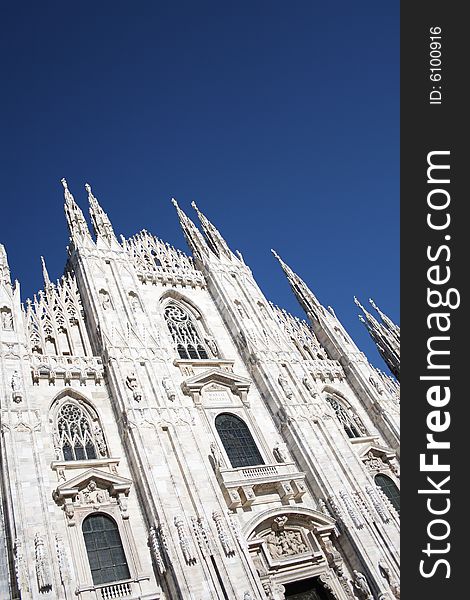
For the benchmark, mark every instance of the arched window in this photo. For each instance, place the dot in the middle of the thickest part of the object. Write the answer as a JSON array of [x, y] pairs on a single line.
[[350, 422], [79, 437], [389, 488], [184, 333], [104, 548], [238, 441]]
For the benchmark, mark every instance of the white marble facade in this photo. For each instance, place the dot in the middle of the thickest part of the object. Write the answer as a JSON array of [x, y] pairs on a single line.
[[226, 448]]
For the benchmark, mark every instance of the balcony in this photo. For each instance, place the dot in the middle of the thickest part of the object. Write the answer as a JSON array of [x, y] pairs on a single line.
[[250, 485]]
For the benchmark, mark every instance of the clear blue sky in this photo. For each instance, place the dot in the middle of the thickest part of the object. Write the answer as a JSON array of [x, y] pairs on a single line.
[[281, 119]]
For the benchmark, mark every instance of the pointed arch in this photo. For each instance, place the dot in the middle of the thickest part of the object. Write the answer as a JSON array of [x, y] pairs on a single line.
[[346, 415], [187, 328], [78, 434]]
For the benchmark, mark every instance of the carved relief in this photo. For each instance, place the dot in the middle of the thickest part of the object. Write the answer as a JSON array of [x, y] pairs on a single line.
[[185, 543], [283, 542], [62, 560], [224, 537]]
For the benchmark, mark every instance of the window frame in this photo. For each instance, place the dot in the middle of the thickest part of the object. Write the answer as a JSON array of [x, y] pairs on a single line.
[[249, 429]]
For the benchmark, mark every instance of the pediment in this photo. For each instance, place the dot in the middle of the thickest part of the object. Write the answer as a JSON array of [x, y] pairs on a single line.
[[236, 383], [114, 484], [378, 451]]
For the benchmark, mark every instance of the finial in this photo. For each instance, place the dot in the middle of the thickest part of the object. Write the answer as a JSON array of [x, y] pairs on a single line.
[[45, 274], [374, 305], [276, 254], [194, 205], [88, 188], [175, 204], [64, 183]]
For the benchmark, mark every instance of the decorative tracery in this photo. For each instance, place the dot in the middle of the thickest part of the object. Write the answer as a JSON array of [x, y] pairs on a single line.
[[348, 419], [79, 437], [184, 333]]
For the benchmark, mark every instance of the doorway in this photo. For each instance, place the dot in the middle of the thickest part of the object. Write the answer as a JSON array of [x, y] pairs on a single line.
[[307, 589]]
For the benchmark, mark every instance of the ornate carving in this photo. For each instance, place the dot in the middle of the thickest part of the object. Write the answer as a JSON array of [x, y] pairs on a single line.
[[374, 463], [371, 491], [224, 538], [352, 510], [62, 560], [17, 388], [309, 386], [185, 543], [133, 385], [212, 345], [387, 574], [169, 389], [155, 546], [6, 318], [285, 385], [20, 567], [217, 459], [280, 452], [43, 572], [285, 542]]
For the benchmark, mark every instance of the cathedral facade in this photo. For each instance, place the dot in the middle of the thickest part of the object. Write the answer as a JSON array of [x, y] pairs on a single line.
[[169, 434]]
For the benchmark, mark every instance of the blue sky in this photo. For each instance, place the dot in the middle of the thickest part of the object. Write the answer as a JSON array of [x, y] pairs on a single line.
[[280, 119]]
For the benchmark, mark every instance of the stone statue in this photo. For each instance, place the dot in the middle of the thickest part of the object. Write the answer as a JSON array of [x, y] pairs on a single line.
[[361, 585], [169, 389], [284, 383], [211, 344], [308, 384], [216, 455], [280, 452], [132, 384], [7, 319]]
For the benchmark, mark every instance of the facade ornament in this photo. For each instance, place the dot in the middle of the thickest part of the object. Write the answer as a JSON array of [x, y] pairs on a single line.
[[6, 319], [387, 574], [374, 463], [105, 300], [224, 538], [43, 572], [352, 510], [283, 542], [361, 585], [20, 567], [247, 596], [377, 503], [185, 543], [280, 452], [132, 384], [62, 560], [17, 392], [212, 345], [309, 386], [169, 389], [99, 439], [285, 385], [155, 547], [216, 456], [375, 384], [323, 508]]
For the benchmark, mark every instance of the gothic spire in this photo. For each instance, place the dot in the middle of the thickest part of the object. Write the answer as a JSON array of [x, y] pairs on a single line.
[[216, 242], [4, 268], [45, 274], [192, 234], [303, 293], [100, 220], [75, 220], [386, 336]]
